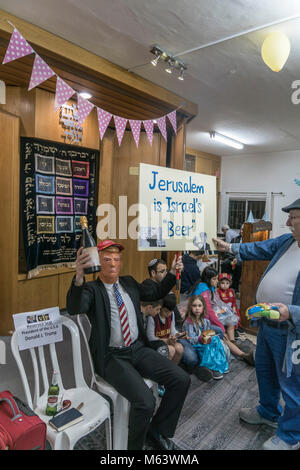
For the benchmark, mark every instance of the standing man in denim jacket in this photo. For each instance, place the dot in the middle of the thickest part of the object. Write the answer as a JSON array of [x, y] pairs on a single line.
[[277, 359]]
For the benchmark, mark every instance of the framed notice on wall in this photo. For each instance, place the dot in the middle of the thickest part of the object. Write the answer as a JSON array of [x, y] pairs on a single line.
[[58, 185], [177, 209]]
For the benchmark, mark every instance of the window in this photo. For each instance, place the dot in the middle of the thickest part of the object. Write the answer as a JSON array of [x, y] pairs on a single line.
[[239, 210]]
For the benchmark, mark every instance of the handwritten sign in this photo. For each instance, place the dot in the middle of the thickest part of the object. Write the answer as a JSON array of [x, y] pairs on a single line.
[[177, 209], [38, 328]]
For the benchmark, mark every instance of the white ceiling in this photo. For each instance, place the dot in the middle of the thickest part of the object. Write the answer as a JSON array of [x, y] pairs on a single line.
[[237, 94]]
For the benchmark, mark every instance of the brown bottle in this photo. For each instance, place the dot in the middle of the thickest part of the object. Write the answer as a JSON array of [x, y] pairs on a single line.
[[89, 245]]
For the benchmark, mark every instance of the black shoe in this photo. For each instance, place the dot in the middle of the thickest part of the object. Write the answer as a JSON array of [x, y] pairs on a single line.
[[203, 373], [249, 358], [158, 441]]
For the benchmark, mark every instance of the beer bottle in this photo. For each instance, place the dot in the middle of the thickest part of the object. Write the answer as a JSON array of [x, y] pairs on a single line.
[[53, 394], [89, 245]]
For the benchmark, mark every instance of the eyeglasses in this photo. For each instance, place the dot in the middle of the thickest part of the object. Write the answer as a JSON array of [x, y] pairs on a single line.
[[161, 271]]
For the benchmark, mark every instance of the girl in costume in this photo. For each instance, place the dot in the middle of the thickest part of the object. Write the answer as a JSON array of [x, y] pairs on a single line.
[[227, 294], [219, 314], [211, 355]]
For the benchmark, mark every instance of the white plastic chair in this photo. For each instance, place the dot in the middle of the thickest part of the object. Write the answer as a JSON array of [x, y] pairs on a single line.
[[121, 405], [96, 409]]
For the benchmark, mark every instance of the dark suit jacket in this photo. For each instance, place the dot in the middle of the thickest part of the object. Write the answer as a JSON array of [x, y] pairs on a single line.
[[91, 298]]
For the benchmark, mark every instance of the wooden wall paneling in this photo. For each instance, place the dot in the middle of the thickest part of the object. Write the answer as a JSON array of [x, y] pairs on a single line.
[[22, 103], [9, 184], [125, 184], [38, 293], [208, 164]]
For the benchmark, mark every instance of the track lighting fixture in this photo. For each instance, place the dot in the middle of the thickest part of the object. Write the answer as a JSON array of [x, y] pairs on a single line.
[[173, 63]]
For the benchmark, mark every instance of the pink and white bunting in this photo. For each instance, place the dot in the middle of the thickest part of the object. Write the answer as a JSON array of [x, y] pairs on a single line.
[[120, 124], [18, 47], [62, 94], [149, 126], [103, 120], [172, 119], [40, 72], [136, 130], [161, 122], [84, 109]]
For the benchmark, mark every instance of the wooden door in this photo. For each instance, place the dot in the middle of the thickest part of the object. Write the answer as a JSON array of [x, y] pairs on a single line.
[[9, 233]]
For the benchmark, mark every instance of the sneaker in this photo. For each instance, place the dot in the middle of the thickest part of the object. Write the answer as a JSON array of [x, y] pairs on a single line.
[[252, 416], [203, 373], [226, 371], [217, 375], [275, 443]]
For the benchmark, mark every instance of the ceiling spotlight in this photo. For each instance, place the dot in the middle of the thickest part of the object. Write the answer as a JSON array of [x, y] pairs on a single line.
[[226, 140], [181, 76], [169, 69], [85, 95], [154, 62]]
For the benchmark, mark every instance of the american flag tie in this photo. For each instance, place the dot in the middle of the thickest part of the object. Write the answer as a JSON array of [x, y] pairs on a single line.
[[123, 316]]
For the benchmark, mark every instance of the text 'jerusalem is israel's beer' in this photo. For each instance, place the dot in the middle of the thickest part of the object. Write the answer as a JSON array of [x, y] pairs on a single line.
[[89, 245]]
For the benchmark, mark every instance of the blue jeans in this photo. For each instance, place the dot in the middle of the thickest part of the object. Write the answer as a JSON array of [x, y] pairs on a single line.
[[270, 351], [189, 356]]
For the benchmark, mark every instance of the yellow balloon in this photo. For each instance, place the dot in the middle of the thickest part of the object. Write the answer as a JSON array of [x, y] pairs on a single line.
[[275, 50]]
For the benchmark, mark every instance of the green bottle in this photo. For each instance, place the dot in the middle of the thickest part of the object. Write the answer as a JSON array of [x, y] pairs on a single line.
[[53, 394]]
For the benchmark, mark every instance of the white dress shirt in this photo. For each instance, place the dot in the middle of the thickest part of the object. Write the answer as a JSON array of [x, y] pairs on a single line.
[[116, 335], [279, 283]]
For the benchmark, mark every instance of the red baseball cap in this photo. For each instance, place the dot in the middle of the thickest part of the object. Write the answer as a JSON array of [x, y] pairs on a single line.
[[224, 276], [108, 243]]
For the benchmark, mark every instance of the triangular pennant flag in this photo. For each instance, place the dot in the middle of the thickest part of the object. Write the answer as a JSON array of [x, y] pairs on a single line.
[[148, 125], [18, 47], [172, 119], [120, 124], [136, 129], [103, 120], [265, 217], [63, 93], [84, 109], [250, 217], [161, 122], [40, 72]]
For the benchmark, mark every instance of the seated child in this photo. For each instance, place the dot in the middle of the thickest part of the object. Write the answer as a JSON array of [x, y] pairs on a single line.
[[151, 309], [162, 328], [227, 294], [211, 355]]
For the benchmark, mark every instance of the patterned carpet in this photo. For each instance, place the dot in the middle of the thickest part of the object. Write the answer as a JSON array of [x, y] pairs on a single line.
[[209, 419]]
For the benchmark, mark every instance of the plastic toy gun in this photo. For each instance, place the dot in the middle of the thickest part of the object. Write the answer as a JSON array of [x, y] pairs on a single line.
[[262, 310]]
